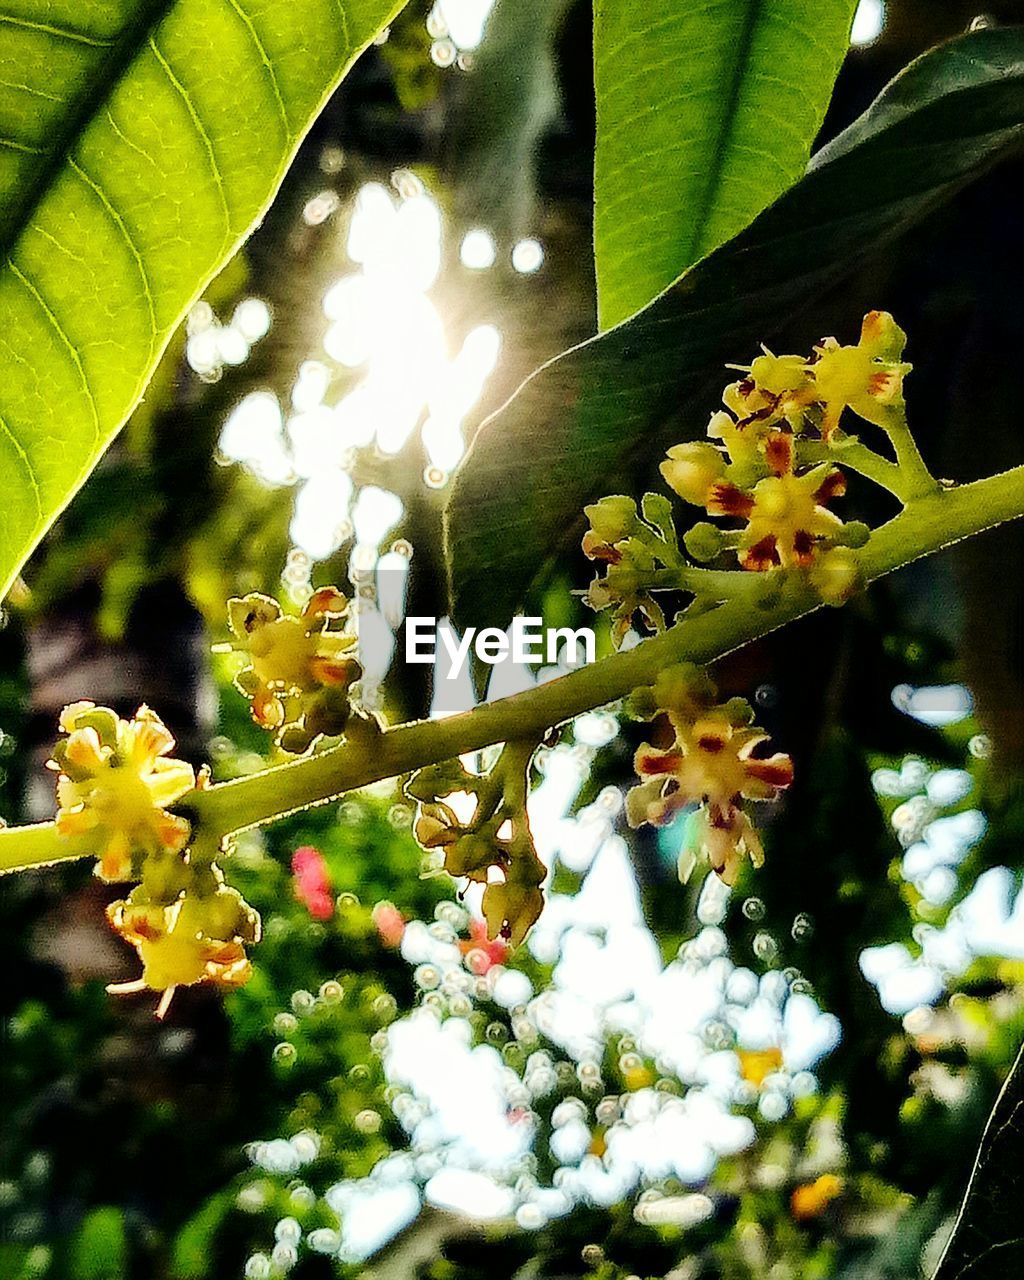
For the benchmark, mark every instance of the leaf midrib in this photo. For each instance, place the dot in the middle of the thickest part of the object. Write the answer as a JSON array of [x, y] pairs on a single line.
[[107, 74], [714, 181]]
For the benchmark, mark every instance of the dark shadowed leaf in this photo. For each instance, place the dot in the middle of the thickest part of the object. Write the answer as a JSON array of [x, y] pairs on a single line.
[[988, 1239]]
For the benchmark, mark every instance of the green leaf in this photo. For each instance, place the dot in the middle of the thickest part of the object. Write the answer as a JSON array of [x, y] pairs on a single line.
[[705, 114], [593, 420], [988, 1239], [140, 143], [100, 1249]]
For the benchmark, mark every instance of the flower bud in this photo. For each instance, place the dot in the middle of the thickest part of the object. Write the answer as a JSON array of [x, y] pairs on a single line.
[[703, 542], [612, 519], [692, 469]]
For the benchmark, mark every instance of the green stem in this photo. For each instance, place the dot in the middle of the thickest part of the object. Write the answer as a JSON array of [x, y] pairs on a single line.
[[711, 584], [938, 519], [915, 479], [36, 846], [858, 457]]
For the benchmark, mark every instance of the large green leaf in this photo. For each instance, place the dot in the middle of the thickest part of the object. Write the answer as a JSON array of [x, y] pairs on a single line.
[[705, 114], [140, 142], [593, 420], [988, 1239]]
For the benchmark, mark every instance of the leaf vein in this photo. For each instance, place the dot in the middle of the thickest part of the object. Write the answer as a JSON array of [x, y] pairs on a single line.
[[271, 74], [61, 332], [27, 466], [27, 88], [200, 128], [129, 241], [13, 145], [49, 29], [128, 141]]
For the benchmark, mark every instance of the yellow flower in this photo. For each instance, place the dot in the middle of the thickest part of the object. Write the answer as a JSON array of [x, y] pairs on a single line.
[[711, 764], [115, 782], [867, 378], [776, 389], [191, 940], [611, 520], [811, 1199], [299, 670], [787, 515], [692, 469]]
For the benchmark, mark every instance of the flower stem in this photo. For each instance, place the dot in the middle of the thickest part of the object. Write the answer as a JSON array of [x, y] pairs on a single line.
[[915, 479], [856, 456], [937, 519]]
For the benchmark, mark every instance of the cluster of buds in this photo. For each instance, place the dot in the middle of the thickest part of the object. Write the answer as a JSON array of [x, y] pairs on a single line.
[[299, 668], [116, 781], [767, 467], [492, 845], [708, 761], [633, 545]]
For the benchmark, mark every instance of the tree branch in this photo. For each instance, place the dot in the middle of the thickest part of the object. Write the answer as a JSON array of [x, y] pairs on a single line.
[[929, 523]]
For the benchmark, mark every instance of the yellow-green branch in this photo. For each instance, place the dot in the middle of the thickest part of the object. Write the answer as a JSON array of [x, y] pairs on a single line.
[[927, 524]]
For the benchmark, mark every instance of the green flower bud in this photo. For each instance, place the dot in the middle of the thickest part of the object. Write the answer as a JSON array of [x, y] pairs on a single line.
[[692, 469], [854, 533], [703, 542], [612, 519]]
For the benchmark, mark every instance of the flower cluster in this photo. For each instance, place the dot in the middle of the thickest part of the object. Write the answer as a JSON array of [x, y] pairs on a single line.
[[299, 668], [709, 762], [492, 846], [116, 781], [753, 472], [768, 468]]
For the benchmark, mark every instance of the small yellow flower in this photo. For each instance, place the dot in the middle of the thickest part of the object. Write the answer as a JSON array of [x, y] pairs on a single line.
[[811, 1199], [710, 763], [756, 1065], [776, 389], [299, 669], [194, 939], [115, 782], [786, 513], [692, 469], [612, 520], [866, 378]]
